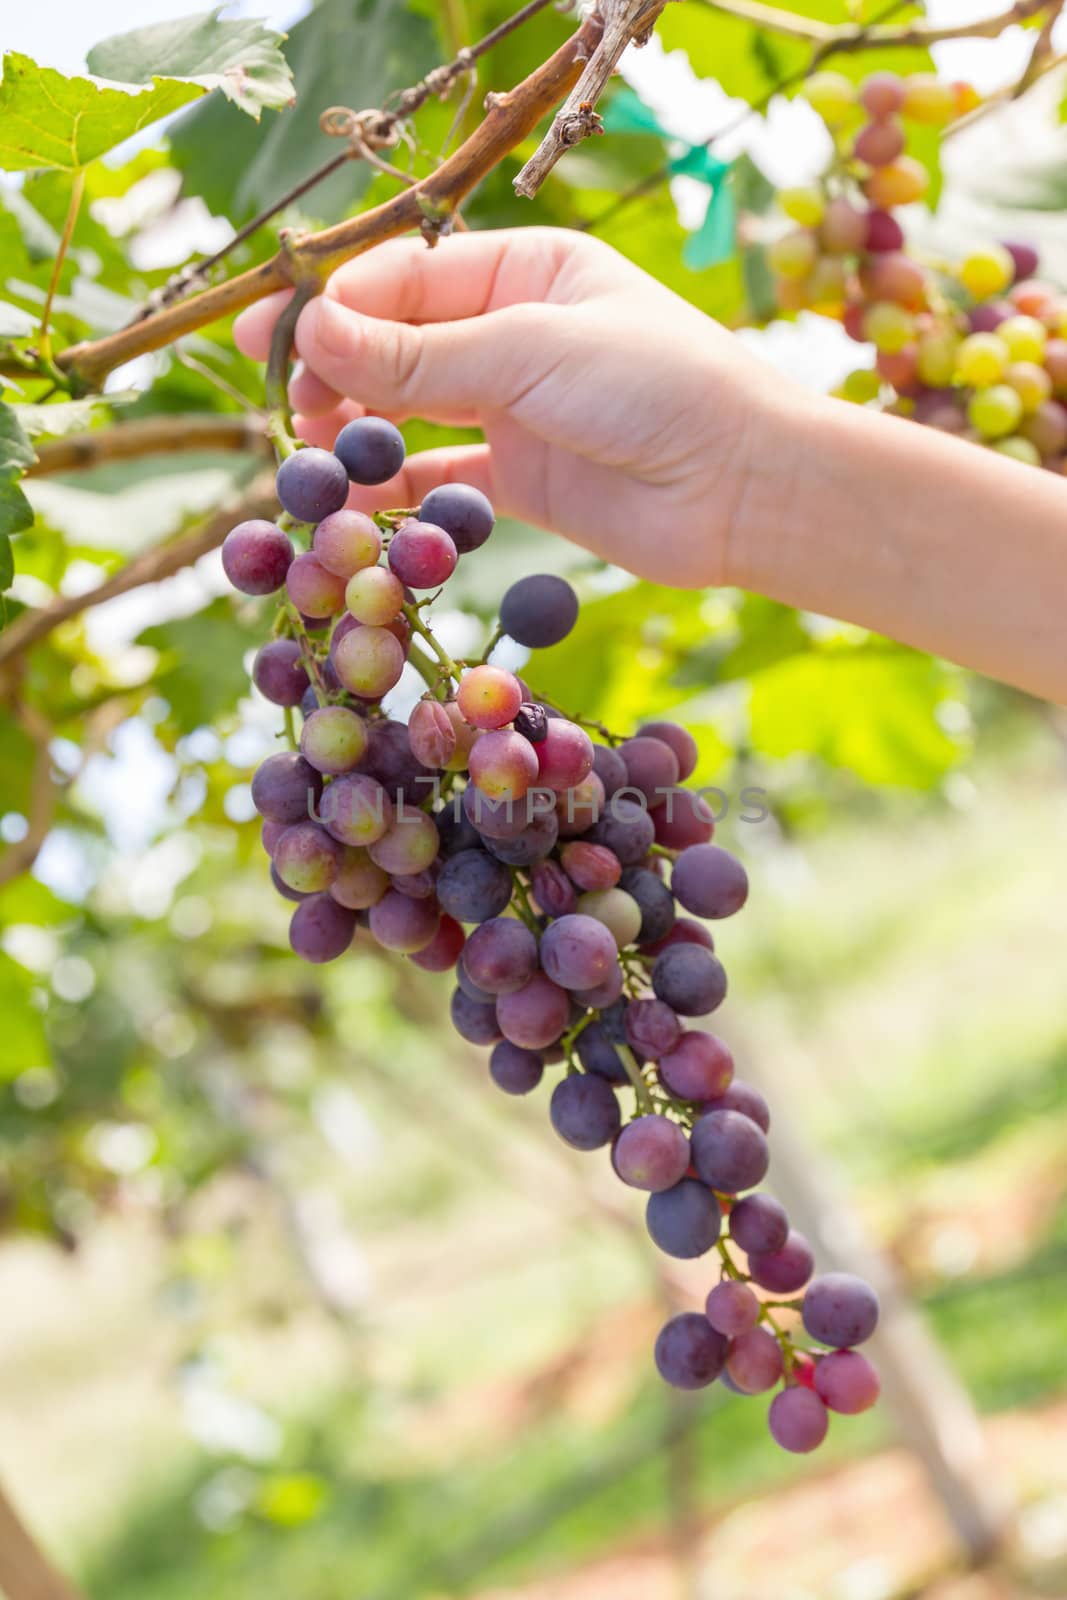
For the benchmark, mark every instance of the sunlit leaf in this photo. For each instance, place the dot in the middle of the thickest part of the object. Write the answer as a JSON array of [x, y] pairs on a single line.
[[240, 56]]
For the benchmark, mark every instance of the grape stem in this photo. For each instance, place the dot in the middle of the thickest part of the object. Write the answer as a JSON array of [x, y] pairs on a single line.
[[290, 728], [448, 666], [423, 665], [584, 722], [523, 906], [633, 1072], [494, 639]]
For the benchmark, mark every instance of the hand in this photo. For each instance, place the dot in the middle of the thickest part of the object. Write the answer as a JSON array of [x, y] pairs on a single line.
[[613, 412]]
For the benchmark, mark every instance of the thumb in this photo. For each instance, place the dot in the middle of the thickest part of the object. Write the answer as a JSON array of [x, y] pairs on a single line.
[[440, 369]]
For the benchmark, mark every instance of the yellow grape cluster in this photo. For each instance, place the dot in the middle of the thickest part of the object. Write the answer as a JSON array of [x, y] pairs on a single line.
[[977, 348]]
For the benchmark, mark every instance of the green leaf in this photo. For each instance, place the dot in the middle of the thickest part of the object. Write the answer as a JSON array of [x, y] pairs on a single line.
[[241, 57], [69, 416], [48, 120], [238, 167], [16, 451], [16, 765], [23, 1043], [871, 710], [16, 513], [202, 672], [7, 564], [25, 899]]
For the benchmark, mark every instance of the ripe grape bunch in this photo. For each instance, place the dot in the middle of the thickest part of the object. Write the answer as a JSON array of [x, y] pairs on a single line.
[[490, 836], [977, 348]]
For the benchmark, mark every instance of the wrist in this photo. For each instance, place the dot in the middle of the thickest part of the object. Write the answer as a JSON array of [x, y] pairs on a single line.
[[785, 451]]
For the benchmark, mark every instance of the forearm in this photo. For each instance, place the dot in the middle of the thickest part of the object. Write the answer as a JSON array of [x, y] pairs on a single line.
[[924, 538]]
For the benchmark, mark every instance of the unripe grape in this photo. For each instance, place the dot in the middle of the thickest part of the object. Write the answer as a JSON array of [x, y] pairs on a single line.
[[965, 97], [1046, 429], [987, 272], [883, 232], [489, 697], [1034, 298], [879, 143], [422, 555], [617, 910], [794, 254], [1031, 383], [888, 326], [347, 541], [827, 287], [981, 360], [898, 367], [894, 276], [313, 590], [256, 556], [503, 764], [861, 386], [307, 858], [899, 184], [935, 356], [1019, 449], [927, 99], [369, 661], [359, 883], [409, 845], [791, 294], [432, 736], [333, 739], [882, 94], [831, 95], [1025, 337], [466, 738], [356, 809], [995, 411], [805, 206], [844, 228], [374, 596]]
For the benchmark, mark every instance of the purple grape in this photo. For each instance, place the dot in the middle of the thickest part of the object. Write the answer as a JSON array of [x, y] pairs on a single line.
[[552, 889], [501, 955], [598, 1053], [409, 847], [474, 1020], [729, 1152], [256, 556], [846, 1382], [840, 1309], [400, 923], [651, 1153], [316, 592], [532, 722], [786, 1269], [655, 900], [443, 950], [514, 1070], [696, 1066], [467, 983], [577, 952], [321, 930], [754, 1361], [359, 884], [741, 1096], [610, 768], [370, 449], [494, 819], [626, 828], [709, 881], [684, 1221], [759, 1225], [690, 979], [270, 833], [535, 1015], [421, 555], [393, 762], [539, 610], [689, 1353], [279, 674], [462, 511], [457, 832], [732, 1308], [474, 886], [584, 1111], [285, 788], [684, 819], [417, 885], [431, 734], [307, 858], [1025, 257], [536, 841], [605, 994], [798, 1420], [651, 767], [356, 809], [651, 1027], [680, 740], [311, 484]]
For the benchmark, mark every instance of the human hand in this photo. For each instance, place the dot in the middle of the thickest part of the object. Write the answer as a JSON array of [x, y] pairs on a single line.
[[613, 412]]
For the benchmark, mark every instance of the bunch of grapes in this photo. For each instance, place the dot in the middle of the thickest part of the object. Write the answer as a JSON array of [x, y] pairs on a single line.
[[976, 348], [566, 883]]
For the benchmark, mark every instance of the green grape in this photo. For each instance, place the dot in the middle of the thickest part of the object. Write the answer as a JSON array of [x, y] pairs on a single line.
[[1025, 337], [935, 356], [987, 272], [981, 359], [888, 326], [831, 95], [794, 254], [995, 411], [806, 205], [1019, 449]]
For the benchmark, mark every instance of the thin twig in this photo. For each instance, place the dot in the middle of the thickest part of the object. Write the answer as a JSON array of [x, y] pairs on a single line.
[[73, 207], [847, 37], [162, 561], [149, 436]]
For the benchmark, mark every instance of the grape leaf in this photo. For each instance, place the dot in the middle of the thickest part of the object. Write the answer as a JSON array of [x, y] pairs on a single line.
[[16, 513], [202, 672], [22, 1038], [7, 565], [238, 167], [49, 120], [16, 452], [241, 57], [67, 416]]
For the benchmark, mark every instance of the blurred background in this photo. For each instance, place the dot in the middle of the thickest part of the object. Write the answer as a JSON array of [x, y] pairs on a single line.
[[293, 1301]]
